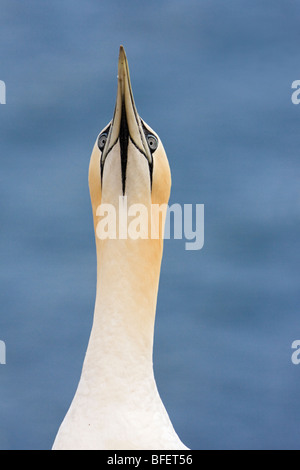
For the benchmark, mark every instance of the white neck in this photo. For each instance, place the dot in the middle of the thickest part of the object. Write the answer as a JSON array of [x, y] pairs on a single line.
[[121, 343], [117, 405]]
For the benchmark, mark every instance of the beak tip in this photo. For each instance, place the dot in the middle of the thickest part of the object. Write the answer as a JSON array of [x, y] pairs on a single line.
[[123, 65], [122, 54]]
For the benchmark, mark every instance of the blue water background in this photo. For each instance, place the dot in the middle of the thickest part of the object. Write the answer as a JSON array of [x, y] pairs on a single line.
[[213, 78]]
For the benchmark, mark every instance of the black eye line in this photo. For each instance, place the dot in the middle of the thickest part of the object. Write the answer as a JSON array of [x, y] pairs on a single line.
[[137, 147], [103, 162], [147, 133], [104, 134], [154, 140], [149, 163], [106, 131]]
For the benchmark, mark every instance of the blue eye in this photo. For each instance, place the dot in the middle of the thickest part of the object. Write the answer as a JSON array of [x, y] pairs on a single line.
[[102, 141], [152, 142]]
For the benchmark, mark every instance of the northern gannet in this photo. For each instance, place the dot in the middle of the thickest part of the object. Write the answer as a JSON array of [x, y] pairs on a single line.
[[117, 405]]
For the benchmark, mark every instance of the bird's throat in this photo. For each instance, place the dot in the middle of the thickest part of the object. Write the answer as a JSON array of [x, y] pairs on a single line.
[[123, 327]]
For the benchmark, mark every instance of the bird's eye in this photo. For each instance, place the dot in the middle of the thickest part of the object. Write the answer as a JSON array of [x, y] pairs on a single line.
[[152, 142], [102, 141]]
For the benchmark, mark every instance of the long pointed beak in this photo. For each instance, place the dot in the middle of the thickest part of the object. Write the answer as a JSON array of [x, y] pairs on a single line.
[[126, 124]]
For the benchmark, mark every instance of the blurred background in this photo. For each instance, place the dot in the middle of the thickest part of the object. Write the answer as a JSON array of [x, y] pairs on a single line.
[[213, 78]]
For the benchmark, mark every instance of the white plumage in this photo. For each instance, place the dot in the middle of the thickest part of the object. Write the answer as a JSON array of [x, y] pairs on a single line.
[[117, 405]]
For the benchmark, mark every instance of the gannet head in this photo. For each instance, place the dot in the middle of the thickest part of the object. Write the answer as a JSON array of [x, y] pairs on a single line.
[[128, 158]]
